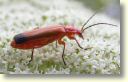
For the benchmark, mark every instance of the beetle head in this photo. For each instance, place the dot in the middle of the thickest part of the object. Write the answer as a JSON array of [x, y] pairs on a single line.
[[80, 35]]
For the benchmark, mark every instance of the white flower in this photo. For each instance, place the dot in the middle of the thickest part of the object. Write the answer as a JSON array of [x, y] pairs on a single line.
[[103, 57]]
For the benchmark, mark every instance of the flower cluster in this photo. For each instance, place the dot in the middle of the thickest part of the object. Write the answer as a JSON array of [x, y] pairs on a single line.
[[19, 16]]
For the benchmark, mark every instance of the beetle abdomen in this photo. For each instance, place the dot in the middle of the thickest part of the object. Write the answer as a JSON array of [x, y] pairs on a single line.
[[38, 37], [20, 38]]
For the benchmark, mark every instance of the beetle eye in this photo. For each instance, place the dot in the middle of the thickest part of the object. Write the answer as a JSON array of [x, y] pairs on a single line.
[[20, 39]]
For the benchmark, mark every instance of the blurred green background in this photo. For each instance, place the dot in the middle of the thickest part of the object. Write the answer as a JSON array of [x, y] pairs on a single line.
[[109, 7]]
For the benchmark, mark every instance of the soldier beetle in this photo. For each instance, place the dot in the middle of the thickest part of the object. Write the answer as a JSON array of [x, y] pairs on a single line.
[[39, 37]]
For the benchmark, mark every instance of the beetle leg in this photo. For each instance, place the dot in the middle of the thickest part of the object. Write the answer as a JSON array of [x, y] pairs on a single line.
[[81, 46], [63, 43], [63, 55], [72, 37], [56, 44], [32, 55]]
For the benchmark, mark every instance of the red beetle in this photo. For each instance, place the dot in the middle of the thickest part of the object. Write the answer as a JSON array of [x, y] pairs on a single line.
[[37, 38]]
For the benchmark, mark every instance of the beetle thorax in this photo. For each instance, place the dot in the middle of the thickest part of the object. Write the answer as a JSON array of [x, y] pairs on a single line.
[[71, 30]]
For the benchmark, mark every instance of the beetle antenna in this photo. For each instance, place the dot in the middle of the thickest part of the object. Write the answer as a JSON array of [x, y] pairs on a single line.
[[88, 21], [98, 24]]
